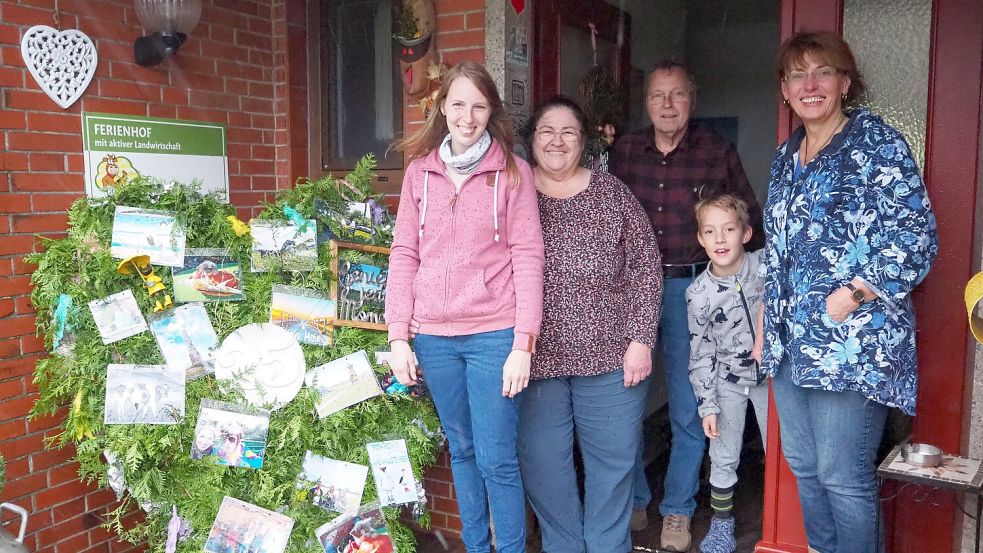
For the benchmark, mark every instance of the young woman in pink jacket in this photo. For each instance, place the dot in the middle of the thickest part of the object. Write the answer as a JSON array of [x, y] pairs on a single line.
[[467, 268]]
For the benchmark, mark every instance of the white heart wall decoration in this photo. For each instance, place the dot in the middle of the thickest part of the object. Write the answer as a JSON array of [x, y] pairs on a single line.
[[62, 62]]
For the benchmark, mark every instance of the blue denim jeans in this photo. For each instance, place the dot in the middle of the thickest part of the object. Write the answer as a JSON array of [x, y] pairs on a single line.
[[830, 440], [604, 417], [465, 378], [688, 441]]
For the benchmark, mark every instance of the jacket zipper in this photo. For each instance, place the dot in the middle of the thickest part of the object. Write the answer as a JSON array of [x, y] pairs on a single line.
[[747, 313], [447, 269]]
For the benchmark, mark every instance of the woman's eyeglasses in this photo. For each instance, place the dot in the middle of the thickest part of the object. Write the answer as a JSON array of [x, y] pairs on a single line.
[[823, 74], [546, 134]]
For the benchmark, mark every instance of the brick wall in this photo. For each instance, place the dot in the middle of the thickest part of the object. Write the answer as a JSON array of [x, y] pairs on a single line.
[[460, 37], [290, 90], [224, 73], [244, 66]]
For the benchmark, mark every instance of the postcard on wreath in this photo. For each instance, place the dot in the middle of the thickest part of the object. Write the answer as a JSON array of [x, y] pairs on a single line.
[[283, 246], [117, 316], [365, 530], [391, 385], [186, 338], [331, 484], [357, 222], [343, 382], [242, 527], [208, 274], [307, 314], [144, 394], [147, 232], [392, 472], [234, 435]]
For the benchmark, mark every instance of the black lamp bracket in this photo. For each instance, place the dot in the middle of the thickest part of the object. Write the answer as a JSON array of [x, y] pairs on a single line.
[[152, 49]]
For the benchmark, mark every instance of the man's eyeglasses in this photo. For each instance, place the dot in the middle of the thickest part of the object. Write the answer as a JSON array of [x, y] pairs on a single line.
[[547, 134], [675, 97], [823, 74]]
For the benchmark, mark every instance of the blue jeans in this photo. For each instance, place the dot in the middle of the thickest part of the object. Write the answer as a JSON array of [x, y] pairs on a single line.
[[688, 441], [465, 378], [604, 417], [830, 440]]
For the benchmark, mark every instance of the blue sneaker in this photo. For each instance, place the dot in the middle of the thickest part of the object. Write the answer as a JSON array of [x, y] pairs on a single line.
[[720, 538]]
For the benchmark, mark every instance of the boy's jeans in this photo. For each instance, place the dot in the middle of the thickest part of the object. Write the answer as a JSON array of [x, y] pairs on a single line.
[[830, 440], [465, 378]]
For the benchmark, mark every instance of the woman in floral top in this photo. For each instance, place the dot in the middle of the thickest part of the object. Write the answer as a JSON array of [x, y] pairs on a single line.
[[850, 232], [602, 288]]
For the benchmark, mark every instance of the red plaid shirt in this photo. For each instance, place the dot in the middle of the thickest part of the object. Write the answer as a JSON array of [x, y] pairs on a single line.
[[668, 186]]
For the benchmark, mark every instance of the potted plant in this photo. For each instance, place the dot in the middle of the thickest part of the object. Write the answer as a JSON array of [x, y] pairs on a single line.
[[405, 27]]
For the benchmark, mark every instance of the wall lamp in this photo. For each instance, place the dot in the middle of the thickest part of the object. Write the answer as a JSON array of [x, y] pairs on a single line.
[[169, 22]]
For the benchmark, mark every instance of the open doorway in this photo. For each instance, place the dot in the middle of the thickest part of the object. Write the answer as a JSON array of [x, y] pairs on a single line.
[[730, 48]]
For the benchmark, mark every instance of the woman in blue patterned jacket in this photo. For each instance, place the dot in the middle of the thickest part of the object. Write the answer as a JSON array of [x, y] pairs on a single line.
[[850, 232]]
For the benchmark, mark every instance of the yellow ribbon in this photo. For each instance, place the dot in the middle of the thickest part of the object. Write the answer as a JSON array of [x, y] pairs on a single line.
[[973, 295], [240, 228]]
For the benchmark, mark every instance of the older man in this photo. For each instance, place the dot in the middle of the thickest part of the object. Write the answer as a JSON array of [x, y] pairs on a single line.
[[669, 167]]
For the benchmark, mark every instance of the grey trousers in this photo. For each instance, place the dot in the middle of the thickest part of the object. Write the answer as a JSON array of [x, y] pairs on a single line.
[[725, 451], [605, 419]]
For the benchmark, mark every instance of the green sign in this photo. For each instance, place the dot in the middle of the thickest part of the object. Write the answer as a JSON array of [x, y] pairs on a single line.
[[120, 148]]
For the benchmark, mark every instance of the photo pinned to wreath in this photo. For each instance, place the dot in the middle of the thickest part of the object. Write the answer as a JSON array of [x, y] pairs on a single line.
[[360, 292]]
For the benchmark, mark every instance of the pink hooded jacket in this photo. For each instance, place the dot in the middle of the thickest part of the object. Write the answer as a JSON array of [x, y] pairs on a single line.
[[468, 262]]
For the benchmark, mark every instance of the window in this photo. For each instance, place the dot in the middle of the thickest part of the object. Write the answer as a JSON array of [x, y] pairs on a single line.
[[355, 85]]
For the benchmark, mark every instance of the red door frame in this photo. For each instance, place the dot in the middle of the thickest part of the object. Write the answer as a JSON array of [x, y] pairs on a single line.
[[952, 175], [952, 165], [782, 529]]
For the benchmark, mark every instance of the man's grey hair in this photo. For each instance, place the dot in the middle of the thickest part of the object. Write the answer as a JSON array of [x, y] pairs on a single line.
[[669, 64]]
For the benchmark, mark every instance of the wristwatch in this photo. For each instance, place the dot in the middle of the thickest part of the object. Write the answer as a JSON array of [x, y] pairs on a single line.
[[855, 293]]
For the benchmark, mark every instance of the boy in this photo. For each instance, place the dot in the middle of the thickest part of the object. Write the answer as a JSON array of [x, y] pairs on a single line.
[[719, 304]]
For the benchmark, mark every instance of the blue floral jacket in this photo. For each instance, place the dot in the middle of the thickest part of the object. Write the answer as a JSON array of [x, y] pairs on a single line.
[[859, 209]]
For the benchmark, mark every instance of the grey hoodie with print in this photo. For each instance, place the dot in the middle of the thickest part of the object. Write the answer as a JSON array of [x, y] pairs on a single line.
[[721, 313]]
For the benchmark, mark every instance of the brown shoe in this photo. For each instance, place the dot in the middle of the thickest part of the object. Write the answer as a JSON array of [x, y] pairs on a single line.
[[639, 520], [675, 533]]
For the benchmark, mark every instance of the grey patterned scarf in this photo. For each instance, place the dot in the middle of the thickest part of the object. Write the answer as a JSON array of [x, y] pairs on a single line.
[[466, 163]]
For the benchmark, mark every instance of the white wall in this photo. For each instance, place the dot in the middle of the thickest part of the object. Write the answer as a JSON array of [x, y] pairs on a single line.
[[736, 78]]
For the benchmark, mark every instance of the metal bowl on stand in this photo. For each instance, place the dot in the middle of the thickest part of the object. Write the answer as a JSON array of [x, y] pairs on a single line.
[[922, 455]]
